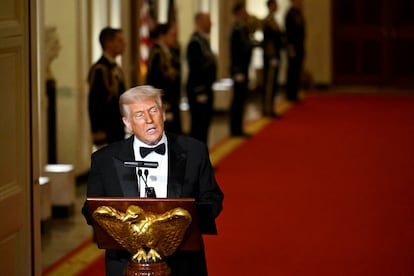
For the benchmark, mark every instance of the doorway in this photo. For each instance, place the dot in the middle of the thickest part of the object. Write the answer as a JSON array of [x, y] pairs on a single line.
[[373, 41]]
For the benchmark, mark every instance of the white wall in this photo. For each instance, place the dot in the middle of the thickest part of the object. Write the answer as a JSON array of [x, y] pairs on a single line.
[[73, 138], [318, 40], [186, 10], [64, 71]]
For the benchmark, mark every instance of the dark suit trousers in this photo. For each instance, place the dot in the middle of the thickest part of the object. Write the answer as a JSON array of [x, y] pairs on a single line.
[[270, 88], [175, 124], [294, 72], [187, 263], [115, 262], [181, 263], [237, 106], [201, 115]]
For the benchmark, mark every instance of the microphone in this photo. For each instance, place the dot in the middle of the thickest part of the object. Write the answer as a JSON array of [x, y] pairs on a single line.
[[149, 191], [139, 182], [146, 175], [140, 164]]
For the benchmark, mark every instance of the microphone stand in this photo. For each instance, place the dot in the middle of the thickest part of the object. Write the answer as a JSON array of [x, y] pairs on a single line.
[[149, 191]]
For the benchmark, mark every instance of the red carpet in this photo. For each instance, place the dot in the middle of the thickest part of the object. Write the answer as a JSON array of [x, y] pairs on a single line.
[[327, 190], [97, 268]]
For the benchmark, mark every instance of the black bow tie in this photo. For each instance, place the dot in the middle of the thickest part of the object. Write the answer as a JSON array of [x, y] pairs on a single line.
[[160, 149]]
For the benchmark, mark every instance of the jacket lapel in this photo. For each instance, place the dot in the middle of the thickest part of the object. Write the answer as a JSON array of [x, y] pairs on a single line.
[[176, 169], [127, 176]]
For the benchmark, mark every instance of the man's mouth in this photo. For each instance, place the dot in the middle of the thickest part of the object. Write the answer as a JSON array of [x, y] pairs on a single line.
[[151, 130]]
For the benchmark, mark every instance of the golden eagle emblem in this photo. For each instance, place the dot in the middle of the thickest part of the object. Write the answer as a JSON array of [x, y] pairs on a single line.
[[147, 236]]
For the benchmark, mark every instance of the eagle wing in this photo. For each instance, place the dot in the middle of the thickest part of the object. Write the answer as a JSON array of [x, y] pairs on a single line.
[[120, 226], [167, 231]]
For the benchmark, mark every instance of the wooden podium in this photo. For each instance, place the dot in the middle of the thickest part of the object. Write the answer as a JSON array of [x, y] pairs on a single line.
[[202, 223]]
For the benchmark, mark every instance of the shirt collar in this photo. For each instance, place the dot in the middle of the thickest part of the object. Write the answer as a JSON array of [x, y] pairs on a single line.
[[108, 57], [164, 48], [138, 143], [204, 35]]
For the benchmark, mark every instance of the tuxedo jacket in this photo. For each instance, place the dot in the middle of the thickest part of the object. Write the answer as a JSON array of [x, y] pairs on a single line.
[[190, 174], [241, 47], [272, 39], [202, 66], [163, 74], [295, 31]]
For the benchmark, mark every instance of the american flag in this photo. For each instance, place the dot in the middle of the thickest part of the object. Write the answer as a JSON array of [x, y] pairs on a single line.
[[146, 25]]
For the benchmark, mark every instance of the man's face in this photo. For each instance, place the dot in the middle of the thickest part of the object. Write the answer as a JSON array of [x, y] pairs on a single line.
[[273, 7], [205, 23], [244, 15], [171, 36], [298, 3], [117, 45], [146, 120]]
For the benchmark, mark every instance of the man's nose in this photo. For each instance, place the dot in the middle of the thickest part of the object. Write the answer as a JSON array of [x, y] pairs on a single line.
[[148, 117]]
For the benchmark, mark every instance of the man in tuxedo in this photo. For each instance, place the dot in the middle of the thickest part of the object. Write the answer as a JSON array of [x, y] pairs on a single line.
[[202, 70], [184, 171], [240, 55], [272, 45], [295, 35], [106, 83]]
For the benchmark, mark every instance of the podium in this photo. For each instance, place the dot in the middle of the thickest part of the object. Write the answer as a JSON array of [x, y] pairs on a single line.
[[202, 222]]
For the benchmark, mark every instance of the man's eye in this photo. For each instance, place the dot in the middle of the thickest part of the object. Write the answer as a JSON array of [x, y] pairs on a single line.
[[139, 115], [154, 110]]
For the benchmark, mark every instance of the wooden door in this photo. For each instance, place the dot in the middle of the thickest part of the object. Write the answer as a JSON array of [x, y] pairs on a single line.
[[360, 43], [17, 225], [402, 42]]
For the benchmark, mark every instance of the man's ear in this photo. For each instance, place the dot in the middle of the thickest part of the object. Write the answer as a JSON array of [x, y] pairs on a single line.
[[127, 123]]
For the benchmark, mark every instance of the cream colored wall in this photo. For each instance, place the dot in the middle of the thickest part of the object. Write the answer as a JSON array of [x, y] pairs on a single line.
[[185, 15], [71, 126], [78, 28], [318, 40]]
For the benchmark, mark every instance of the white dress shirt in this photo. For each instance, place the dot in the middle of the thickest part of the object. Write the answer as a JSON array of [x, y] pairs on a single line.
[[157, 177]]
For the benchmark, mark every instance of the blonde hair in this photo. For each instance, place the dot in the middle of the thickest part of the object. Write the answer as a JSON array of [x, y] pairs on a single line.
[[138, 94]]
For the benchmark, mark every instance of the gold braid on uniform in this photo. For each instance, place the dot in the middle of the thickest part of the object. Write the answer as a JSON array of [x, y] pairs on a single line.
[[107, 75], [270, 22], [165, 63]]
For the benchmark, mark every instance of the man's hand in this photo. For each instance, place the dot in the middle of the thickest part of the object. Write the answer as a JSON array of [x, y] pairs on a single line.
[[239, 77]]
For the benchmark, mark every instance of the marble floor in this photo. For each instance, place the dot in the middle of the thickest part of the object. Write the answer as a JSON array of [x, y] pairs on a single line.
[[63, 235]]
